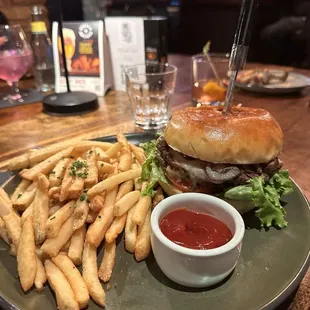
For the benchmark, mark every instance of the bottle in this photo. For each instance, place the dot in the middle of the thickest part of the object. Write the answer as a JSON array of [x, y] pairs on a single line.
[[43, 52]]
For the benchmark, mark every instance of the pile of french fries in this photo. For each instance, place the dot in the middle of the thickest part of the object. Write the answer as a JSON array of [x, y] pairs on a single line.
[[73, 197]]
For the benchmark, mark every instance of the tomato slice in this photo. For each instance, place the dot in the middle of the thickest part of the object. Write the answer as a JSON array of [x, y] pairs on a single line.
[[181, 186], [186, 186]]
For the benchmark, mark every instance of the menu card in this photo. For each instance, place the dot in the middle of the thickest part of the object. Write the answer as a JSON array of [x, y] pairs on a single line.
[[135, 41], [87, 57]]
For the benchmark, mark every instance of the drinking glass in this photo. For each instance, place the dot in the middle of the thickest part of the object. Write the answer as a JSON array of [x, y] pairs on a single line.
[[209, 78], [149, 88], [15, 58]]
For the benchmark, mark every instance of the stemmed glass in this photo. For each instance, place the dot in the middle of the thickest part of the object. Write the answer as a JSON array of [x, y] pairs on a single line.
[[15, 58]]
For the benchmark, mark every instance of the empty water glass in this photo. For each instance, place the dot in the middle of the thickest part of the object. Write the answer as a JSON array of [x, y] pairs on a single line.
[[149, 88]]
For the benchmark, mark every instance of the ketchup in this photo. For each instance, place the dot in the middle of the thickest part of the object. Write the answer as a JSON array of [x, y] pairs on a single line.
[[194, 230]]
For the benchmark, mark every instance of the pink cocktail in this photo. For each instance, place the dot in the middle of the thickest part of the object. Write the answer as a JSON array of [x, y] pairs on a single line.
[[15, 58], [13, 65]]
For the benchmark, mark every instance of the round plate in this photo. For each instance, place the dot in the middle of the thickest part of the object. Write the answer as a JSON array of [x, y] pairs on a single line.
[[271, 265], [294, 83]]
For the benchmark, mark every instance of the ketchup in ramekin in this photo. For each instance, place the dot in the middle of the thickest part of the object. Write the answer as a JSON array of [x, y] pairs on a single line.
[[194, 230]]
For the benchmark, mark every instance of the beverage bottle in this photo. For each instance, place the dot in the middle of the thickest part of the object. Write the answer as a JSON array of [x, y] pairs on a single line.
[[43, 52]]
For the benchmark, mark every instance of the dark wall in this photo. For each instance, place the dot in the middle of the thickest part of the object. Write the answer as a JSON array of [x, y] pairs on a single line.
[[71, 10]]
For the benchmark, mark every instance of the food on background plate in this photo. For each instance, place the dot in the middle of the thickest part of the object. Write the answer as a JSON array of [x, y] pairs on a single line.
[[234, 156], [72, 197], [262, 76]]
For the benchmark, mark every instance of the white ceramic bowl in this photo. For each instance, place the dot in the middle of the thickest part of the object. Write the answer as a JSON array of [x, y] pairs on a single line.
[[197, 268]]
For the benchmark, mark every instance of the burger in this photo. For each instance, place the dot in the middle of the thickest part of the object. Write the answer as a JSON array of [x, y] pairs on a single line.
[[234, 156]]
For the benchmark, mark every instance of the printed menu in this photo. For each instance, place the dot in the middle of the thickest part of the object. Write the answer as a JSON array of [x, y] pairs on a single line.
[[87, 57], [135, 41]]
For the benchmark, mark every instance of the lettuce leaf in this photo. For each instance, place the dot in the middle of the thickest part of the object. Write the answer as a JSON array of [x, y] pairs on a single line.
[[151, 169], [266, 197]]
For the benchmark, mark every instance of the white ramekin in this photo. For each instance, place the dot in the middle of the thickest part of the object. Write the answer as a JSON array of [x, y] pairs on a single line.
[[197, 268]]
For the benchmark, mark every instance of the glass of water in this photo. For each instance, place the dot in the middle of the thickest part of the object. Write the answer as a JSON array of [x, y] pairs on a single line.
[[149, 88]]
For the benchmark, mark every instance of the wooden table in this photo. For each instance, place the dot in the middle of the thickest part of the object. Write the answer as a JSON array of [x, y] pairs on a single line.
[[25, 127]]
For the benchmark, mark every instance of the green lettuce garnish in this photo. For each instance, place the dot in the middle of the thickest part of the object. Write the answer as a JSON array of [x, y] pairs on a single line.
[[151, 169], [265, 197]]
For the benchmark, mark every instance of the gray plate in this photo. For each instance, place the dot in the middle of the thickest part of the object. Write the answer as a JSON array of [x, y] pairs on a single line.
[[294, 83], [271, 266]]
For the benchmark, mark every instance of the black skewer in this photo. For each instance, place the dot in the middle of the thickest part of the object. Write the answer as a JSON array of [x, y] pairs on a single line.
[[241, 44]]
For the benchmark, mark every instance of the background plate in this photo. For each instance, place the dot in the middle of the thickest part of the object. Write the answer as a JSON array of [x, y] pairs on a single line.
[[271, 265], [294, 83]]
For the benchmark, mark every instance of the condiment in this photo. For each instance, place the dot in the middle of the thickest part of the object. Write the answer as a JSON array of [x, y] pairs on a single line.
[[195, 230]]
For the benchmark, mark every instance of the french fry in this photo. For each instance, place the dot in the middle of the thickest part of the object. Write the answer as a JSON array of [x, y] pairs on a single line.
[[158, 197], [125, 203], [102, 155], [5, 196], [66, 246], [40, 207], [66, 182], [41, 255], [3, 233], [38, 155], [122, 139], [5, 206], [45, 166], [97, 203], [55, 221], [23, 185], [116, 228], [13, 250], [83, 146], [131, 230], [143, 243], [108, 261], [19, 162], [141, 210], [92, 176], [114, 181], [114, 149], [53, 246], [74, 278], [90, 274], [97, 230], [105, 167], [60, 285], [125, 159], [137, 181], [91, 217], [26, 256], [76, 188], [76, 246], [58, 172], [26, 213], [52, 210], [138, 153], [124, 189], [54, 193], [80, 213], [23, 202], [40, 277], [13, 226]]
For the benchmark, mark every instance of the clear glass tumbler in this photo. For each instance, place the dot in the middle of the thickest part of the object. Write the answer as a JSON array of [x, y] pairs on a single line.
[[149, 88], [209, 78]]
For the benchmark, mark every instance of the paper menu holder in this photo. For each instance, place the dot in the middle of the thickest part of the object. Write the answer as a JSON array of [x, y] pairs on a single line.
[[135, 41], [88, 57]]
